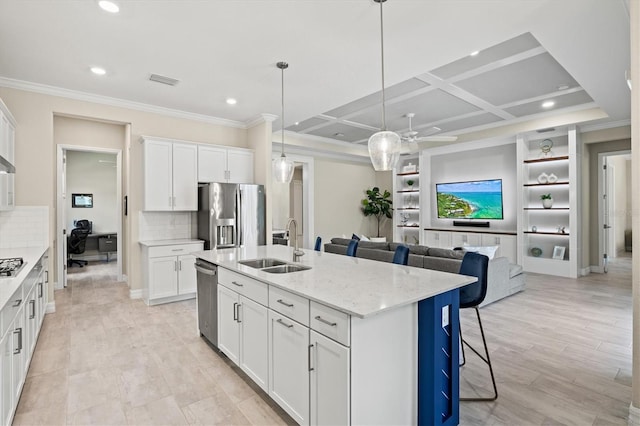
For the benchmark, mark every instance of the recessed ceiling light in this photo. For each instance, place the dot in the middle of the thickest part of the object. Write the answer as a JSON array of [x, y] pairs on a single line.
[[296, 123], [232, 101], [98, 71], [474, 53], [109, 6], [548, 104]]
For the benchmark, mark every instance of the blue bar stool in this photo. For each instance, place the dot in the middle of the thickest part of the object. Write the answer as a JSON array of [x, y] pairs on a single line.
[[401, 255], [475, 265], [352, 248], [318, 246]]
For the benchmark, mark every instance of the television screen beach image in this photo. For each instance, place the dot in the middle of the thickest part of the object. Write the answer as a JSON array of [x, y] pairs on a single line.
[[480, 199]]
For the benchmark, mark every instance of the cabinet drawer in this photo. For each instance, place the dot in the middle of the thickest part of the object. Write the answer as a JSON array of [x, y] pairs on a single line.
[[289, 304], [253, 289], [174, 250], [330, 322], [11, 309]]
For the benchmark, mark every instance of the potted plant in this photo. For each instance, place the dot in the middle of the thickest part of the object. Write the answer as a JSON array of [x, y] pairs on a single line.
[[547, 201], [377, 204], [410, 182]]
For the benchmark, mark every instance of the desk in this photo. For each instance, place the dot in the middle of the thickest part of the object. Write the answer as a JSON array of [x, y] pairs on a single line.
[[103, 242]]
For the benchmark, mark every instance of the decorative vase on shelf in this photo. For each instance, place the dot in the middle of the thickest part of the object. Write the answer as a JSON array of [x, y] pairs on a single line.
[[543, 178], [547, 201], [552, 178]]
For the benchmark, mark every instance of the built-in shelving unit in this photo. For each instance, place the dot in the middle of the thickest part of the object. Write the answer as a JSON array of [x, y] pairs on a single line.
[[406, 201], [545, 241]]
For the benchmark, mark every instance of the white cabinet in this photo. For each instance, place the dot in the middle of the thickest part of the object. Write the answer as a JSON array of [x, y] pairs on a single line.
[[406, 201], [6, 351], [242, 324], [170, 175], [218, 164], [168, 272], [289, 354], [330, 381], [7, 152], [506, 241], [437, 238]]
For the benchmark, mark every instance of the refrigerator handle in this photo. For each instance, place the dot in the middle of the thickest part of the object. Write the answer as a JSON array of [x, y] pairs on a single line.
[[239, 223]]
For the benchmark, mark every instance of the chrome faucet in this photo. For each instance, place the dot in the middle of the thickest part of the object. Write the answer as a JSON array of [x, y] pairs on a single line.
[[296, 250]]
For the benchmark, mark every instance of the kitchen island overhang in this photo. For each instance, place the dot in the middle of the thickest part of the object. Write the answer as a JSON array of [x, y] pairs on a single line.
[[403, 328]]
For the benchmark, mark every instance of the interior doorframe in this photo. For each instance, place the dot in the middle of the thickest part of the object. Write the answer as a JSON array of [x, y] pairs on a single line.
[[602, 249], [60, 202]]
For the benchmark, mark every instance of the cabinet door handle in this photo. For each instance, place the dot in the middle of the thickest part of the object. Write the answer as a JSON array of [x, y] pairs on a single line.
[[239, 306], [180, 265], [40, 290], [18, 331], [237, 283], [235, 311], [329, 323], [284, 323], [33, 309], [288, 305], [46, 276], [17, 303], [309, 358], [177, 249]]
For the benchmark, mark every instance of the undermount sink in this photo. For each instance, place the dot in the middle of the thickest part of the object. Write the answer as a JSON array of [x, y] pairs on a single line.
[[262, 263], [285, 269]]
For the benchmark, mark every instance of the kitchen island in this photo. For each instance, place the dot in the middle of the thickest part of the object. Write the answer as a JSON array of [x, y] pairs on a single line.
[[346, 341]]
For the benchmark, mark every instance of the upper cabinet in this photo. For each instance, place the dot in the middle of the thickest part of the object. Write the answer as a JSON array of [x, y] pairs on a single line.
[[218, 164], [7, 160], [548, 234], [170, 175]]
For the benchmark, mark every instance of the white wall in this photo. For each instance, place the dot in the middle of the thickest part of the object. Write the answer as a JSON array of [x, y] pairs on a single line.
[[24, 227], [92, 173], [621, 189]]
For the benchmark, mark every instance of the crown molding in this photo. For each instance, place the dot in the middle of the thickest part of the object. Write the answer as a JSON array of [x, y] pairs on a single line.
[[121, 103], [604, 126], [262, 118]]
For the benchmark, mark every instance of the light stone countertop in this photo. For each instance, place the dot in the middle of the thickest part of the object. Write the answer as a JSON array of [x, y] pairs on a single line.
[[159, 243], [359, 287], [30, 255]]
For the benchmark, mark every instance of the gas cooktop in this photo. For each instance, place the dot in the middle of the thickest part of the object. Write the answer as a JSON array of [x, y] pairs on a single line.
[[11, 267]]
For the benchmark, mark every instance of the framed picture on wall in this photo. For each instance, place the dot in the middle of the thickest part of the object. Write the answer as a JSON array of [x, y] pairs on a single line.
[[558, 252], [82, 201]]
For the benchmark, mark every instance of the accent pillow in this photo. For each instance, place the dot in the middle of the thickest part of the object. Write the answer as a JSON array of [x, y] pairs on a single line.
[[488, 251], [364, 238], [355, 237]]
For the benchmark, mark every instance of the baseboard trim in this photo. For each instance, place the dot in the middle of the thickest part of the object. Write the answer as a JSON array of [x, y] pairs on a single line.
[[596, 269], [51, 308], [135, 294], [585, 271], [57, 286], [634, 416]]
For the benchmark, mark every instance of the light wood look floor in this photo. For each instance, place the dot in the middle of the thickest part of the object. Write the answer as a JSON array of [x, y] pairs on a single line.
[[561, 353]]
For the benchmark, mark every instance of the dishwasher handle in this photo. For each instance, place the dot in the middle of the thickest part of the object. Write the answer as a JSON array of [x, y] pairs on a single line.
[[205, 271]]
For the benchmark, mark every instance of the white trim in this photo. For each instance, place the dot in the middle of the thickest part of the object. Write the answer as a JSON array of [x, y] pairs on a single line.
[[121, 103], [262, 118], [471, 145], [51, 308], [125, 278], [634, 415], [57, 285], [319, 152], [603, 126], [135, 294], [586, 271]]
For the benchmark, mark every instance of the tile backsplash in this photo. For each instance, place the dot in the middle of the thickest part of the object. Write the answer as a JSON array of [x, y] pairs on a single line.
[[155, 226], [26, 226]]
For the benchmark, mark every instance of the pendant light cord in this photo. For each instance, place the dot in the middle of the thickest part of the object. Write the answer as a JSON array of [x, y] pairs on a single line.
[[384, 118], [282, 150]]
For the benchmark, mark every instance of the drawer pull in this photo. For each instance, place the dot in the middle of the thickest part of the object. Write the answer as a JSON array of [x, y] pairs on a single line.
[[329, 323], [309, 358], [235, 311], [288, 305], [237, 283], [284, 323], [32, 315], [177, 249], [17, 303], [18, 331]]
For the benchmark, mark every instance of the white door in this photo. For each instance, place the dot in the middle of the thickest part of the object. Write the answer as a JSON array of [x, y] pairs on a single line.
[[62, 227], [187, 280], [19, 349], [6, 369], [228, 326], [607, 217], [289, 366], [158, 178], [330, 380], [212, 164], [185, 177], [163, 277], [240, 166], [31, 323], [254, 340]]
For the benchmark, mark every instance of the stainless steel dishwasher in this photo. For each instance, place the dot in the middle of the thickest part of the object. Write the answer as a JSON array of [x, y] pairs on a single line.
[[207, 300]]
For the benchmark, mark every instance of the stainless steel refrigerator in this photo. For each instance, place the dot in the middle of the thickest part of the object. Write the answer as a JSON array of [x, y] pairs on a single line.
[[231, 215]]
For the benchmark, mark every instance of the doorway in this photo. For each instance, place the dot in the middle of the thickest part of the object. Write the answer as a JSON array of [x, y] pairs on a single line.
[[614, 206]]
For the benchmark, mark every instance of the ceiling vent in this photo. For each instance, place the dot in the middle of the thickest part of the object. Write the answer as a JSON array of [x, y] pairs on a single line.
[[548, 129], [164, 80]]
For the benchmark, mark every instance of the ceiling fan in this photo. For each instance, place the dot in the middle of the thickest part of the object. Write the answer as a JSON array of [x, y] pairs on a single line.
[[411, 136]]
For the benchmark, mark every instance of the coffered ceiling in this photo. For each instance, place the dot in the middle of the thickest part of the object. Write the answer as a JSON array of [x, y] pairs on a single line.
[[574, 52]]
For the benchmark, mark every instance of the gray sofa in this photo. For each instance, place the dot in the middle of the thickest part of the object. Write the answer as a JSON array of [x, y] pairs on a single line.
[[504, 279]]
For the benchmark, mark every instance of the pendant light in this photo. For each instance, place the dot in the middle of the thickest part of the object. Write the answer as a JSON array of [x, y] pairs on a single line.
[[384, 146], [282, 167]]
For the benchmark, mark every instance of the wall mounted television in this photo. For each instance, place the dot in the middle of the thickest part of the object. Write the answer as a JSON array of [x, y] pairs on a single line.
[[478, 199]]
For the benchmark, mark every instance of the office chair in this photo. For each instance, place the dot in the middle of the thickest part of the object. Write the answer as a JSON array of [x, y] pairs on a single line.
[[475, 265], [401, 255], [84, 225], [76, 245], [318, 246], [352, 248]]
